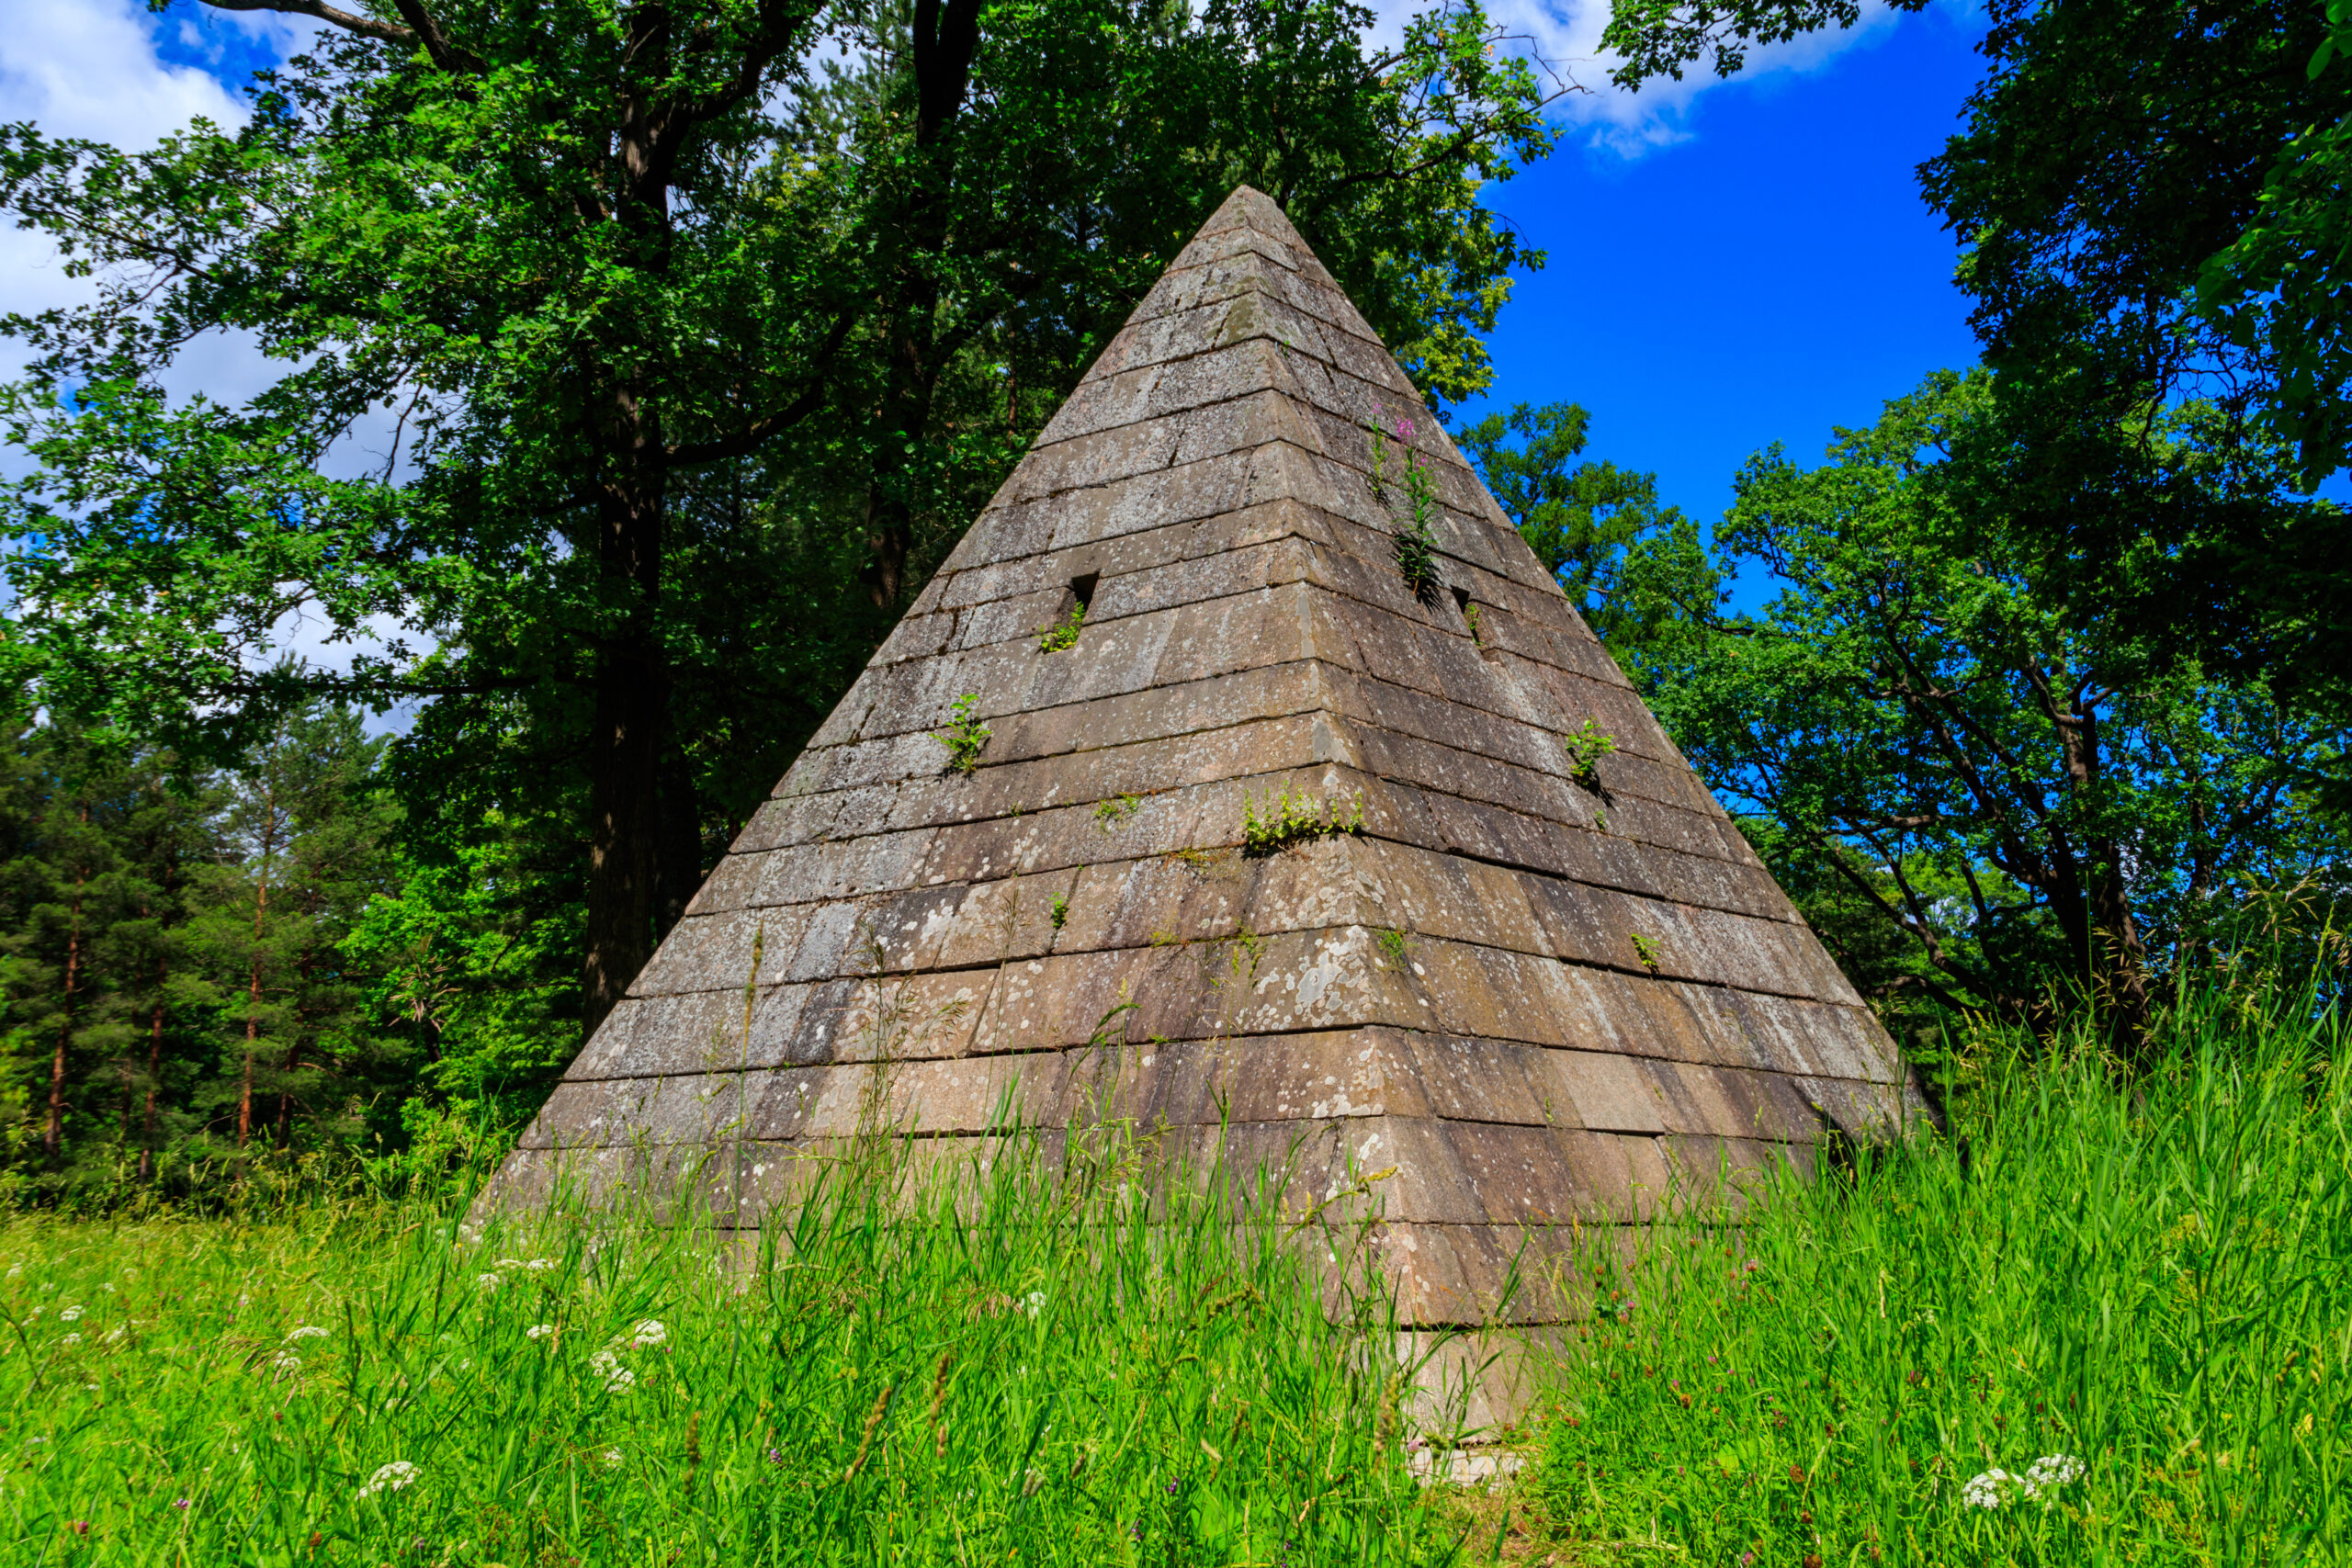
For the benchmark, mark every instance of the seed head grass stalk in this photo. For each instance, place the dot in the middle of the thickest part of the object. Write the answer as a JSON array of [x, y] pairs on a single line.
[[1118, 1365], [2100, 1320]]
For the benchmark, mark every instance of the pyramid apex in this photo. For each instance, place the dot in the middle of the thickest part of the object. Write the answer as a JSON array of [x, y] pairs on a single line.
[[1249, 207]]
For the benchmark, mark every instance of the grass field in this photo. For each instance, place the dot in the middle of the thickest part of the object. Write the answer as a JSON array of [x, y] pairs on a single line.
[[1048, 1382], [2095, 1325]]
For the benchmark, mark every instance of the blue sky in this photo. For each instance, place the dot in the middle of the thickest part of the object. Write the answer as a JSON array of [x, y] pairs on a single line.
[[1771, 274], [1731, 264]]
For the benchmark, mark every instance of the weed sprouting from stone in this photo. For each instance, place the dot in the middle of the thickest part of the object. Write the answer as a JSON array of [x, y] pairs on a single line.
[[1648, 948], [1393, 950], [1585, 745], [1062, 634], [1111, 813], [1297, 818], [966, 737]]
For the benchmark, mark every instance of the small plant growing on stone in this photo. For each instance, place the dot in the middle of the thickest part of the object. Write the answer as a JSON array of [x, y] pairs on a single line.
[[1062, 634], [1585, 746], [1297, 819], [1116, 810], [1647, 946], [1415, 540], [1059, 910], [965, 737], [1470, 619], [1392, 950]]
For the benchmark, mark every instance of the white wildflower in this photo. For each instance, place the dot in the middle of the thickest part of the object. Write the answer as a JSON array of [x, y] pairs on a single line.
[[308, 1331], [648, 1333], [1988, 1491], [71, 1339], [539, 1265], [392, 1478], [2050, 1473], [612, 1459], [1034, 1303], [508, 1263], [70, 1314], [114, 1335], [285, 1363], [538, 1331], [488, 1281], [245, 1300], [607, 1364], [107, 1287]]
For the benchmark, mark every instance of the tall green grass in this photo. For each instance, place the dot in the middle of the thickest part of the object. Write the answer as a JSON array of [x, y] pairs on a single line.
[[2153, 1279], [964, 1367]]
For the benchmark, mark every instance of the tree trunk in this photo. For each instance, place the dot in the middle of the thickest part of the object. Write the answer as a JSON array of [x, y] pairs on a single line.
[[252, 978], [679, 862], [631, 715], [52, 1140], [945, 37], [2114, 961], [155, 1073]]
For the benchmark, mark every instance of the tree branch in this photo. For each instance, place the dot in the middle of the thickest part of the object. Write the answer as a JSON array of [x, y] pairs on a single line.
[[365, 27]]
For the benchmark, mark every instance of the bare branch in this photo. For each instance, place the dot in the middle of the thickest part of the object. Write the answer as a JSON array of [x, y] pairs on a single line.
[[365, 27]]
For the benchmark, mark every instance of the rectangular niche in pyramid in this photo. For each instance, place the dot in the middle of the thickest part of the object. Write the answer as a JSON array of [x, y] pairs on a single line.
[[1323, 830]]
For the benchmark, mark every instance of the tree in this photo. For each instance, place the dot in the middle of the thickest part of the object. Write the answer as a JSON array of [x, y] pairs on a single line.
[[2028, 797], [1627, 564], [594, 259], [306, 822], [2117, 157]]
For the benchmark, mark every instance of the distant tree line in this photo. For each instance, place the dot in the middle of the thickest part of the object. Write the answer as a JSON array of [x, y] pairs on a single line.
[[205, 968]]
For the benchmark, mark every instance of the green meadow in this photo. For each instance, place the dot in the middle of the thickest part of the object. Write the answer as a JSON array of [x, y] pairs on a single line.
[[2095, 1320], [2104, 1321]]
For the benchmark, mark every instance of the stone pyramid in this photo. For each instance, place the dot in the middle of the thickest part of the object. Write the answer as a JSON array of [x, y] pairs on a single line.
[[1529, 989]]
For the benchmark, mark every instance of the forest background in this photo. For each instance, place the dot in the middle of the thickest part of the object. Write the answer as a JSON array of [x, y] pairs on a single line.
[[702, 328]]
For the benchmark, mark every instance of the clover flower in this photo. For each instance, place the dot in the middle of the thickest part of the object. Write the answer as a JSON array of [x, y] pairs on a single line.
[[180, 1503], [308, 1331], [1988, 1491], [390, 1478]]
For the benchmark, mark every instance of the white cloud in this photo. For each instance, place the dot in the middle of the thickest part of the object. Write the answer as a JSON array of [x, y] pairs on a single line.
[[89, 69], [1566, 36]]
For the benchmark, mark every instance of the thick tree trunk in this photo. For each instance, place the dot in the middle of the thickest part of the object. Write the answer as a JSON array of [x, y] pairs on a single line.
[[678, 868], [945, 38], [632, 699]]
